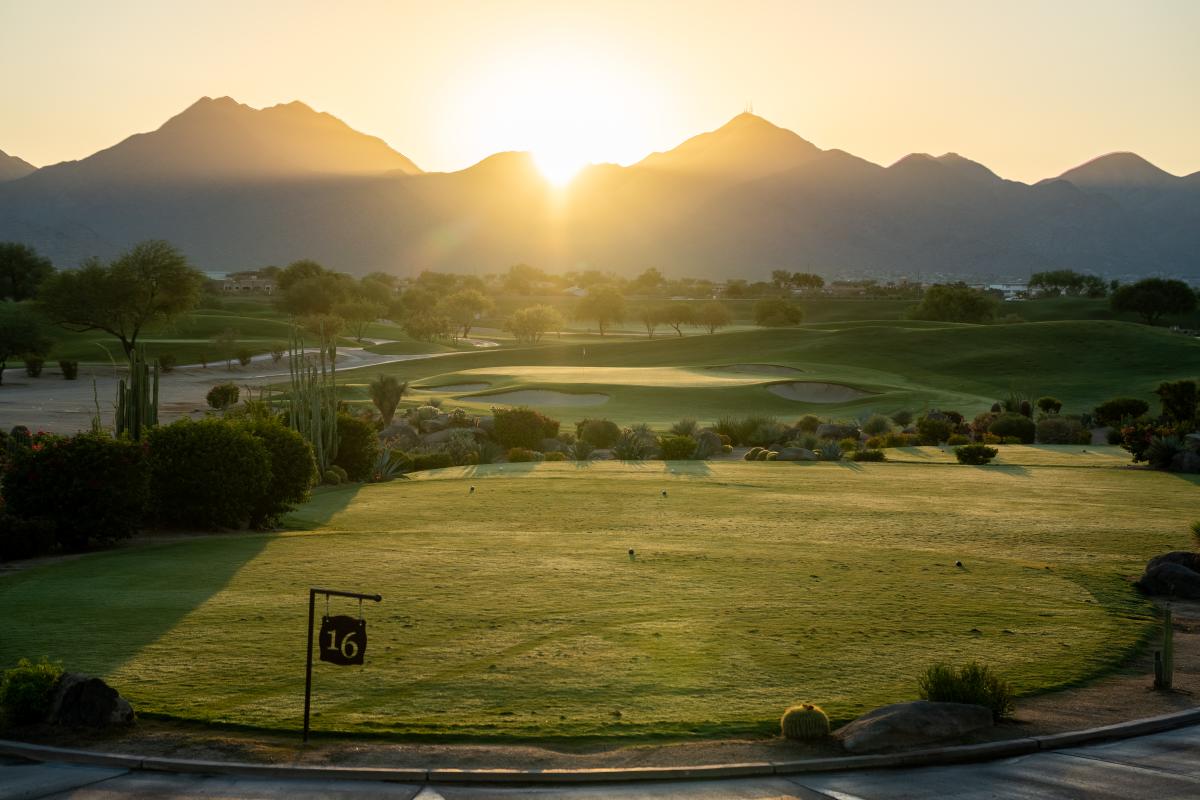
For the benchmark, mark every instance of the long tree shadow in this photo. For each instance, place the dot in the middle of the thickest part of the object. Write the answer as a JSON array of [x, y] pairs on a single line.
[[96, 612]]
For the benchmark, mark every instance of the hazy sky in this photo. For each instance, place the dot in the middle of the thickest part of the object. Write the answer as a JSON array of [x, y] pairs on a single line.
[[1028, 88]]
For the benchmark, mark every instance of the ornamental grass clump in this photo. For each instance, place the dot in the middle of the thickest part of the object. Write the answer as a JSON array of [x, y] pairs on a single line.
[[973, 683], [804, 723]]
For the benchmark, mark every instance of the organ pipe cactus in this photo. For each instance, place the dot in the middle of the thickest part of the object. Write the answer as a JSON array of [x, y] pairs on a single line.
[[137, 397], [312, 401]]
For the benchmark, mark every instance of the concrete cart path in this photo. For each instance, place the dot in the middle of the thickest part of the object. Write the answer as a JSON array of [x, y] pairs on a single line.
[[1162, 766]]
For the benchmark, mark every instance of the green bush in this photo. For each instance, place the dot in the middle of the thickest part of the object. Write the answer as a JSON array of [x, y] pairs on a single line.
[[957, 439], [206, 474], [877, 425], [933, 430], [331, 478], [519, 455], [975, 453], [1016, 425], [634, 445], [91, 488], [974, 684], [708, 444], [804, 723], [293, 469], [1161, 451], [1113, 412], [358, 447], [1059, 430], [761, 430], [555, 457], [70, 369], [244, 356], [580, 450], [829, 451], [424, 461], [676, 448], [899, 440], [686, 427], [868, 455], [808, 424], [26, 538], [903, 418], [166, 362], [34, 365], [1049, 405], [1179, 400], [848, 445], [222, 396], [341, 473], [522, 427], [27, 690], [600, 433]]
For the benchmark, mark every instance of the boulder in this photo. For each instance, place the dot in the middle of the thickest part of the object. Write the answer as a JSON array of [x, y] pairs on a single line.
[[904, 726], [1186, 461], [796, 454], [437, 437], [81, 700], [433, 425], [1184, 558], [833, 430], [401, 434], [1171, 579]]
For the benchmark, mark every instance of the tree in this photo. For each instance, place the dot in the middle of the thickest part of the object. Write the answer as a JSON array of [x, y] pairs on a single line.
[[297, 271], [650, 281], [465, 306], [226, 343], [713, 315], [806, 281], [427, 325], [677, 315], [603, 303], [530, 324], [777, 313], [520, 279], [151, 283], [1152, 298], [358, 314], [21, 332], [22, 271], [651, 317], [386, 394], [955, 302], [781, 278]]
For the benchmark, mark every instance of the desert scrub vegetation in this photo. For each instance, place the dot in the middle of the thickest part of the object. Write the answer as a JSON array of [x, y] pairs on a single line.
[[973, 683]]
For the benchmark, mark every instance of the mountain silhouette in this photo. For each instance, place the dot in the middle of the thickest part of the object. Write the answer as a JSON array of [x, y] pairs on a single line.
[[236, 187], [12, 167]]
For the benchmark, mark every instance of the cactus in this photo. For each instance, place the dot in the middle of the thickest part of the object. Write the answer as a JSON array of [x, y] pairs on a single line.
[[804, 722], [137, 397], [752, 454], [1164, 660], [312, 401]]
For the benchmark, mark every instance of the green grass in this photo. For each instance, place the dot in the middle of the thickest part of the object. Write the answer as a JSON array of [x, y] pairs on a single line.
[[515, 612], [905, 365]]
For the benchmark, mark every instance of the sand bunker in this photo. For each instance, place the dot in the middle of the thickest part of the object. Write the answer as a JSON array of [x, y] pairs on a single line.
[[808, 392], [759, 369], [453, 388], [541, 397]]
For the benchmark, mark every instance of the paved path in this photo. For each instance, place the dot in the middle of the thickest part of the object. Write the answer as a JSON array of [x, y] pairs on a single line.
[[1159, 767]]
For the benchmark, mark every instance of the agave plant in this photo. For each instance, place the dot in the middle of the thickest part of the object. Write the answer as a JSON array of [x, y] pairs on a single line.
[[830, 451], [579, 450], [386, 466]]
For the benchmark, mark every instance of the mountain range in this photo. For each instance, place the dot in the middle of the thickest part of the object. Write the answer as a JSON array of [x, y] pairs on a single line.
[[237, 187]]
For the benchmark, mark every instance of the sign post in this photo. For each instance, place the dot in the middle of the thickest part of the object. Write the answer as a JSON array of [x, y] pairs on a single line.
[[343, 639]]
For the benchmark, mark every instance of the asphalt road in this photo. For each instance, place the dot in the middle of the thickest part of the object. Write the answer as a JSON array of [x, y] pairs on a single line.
[[1159, 767]]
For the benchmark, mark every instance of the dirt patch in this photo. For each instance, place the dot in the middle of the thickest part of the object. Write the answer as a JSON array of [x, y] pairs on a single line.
[[453, 388], [541, 397], [812, 392]]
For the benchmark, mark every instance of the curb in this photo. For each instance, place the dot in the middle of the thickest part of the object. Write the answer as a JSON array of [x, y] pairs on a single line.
[[933, 756]]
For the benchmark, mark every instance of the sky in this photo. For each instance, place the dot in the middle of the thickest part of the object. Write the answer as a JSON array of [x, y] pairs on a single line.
[[1028, 88]]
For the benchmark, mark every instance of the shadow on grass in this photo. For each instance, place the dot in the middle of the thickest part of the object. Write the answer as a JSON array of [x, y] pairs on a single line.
[[1011, 469], [326, 502]]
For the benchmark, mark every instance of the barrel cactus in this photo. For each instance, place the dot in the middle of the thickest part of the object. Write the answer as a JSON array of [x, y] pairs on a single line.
[[805, 723], [752, 453]]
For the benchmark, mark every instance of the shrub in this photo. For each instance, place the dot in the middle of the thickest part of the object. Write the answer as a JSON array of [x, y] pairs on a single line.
[[957, 439], [874, 443], [490, 452], [167, 361], [1015, 425], [1059, 430], [808, 424], [1161, 451], [423, 461], [1049, 405], [517, 455], [70, 369], [91, 488], [877, 425], [358, 447], [974, 684], [633, 446], [868, 455], [829, 451], [982, 422], [601, 433], [975, 453], [341, 473], [991, 438], [804, 723], [33, 365], [676, 448], [26, 538], [293, 469], [1179, 399], [898, 440], [27, 690], [708, 444], [580, 450], [685, 427], [206, 474], [848, 444], [277, 351], [1196, 529], [222, 396], [244, 356], [1025, 409], [522, 427], [462, 447], [762, 430], [1011, 440], [934, 430], [556, 457], [331, 477], [903, 418], [1114, 412]]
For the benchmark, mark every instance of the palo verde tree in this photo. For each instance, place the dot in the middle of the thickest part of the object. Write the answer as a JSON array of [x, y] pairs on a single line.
[[530, 324], [21, 333], [603, 303], [150, 283], [464, 307], [1154, 298], [22, 271], [955, 302], [713, 315]]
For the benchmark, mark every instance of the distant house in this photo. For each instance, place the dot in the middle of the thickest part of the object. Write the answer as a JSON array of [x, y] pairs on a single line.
[[247, 282], [1010, 291]]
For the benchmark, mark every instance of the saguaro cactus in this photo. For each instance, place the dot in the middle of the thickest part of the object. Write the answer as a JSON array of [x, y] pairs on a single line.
[[137, 397]]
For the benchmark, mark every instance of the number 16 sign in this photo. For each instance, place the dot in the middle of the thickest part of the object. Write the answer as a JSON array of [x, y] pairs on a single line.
[[343, 640]]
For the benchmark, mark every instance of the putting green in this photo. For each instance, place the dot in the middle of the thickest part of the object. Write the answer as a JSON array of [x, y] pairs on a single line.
[[516, 610]]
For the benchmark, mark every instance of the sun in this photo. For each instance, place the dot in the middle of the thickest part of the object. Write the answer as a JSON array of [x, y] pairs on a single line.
[[558, 165]]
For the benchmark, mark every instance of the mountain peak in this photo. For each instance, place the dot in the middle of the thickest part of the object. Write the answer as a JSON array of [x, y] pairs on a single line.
[[12, 167], [1121, 169], [746, 147]]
